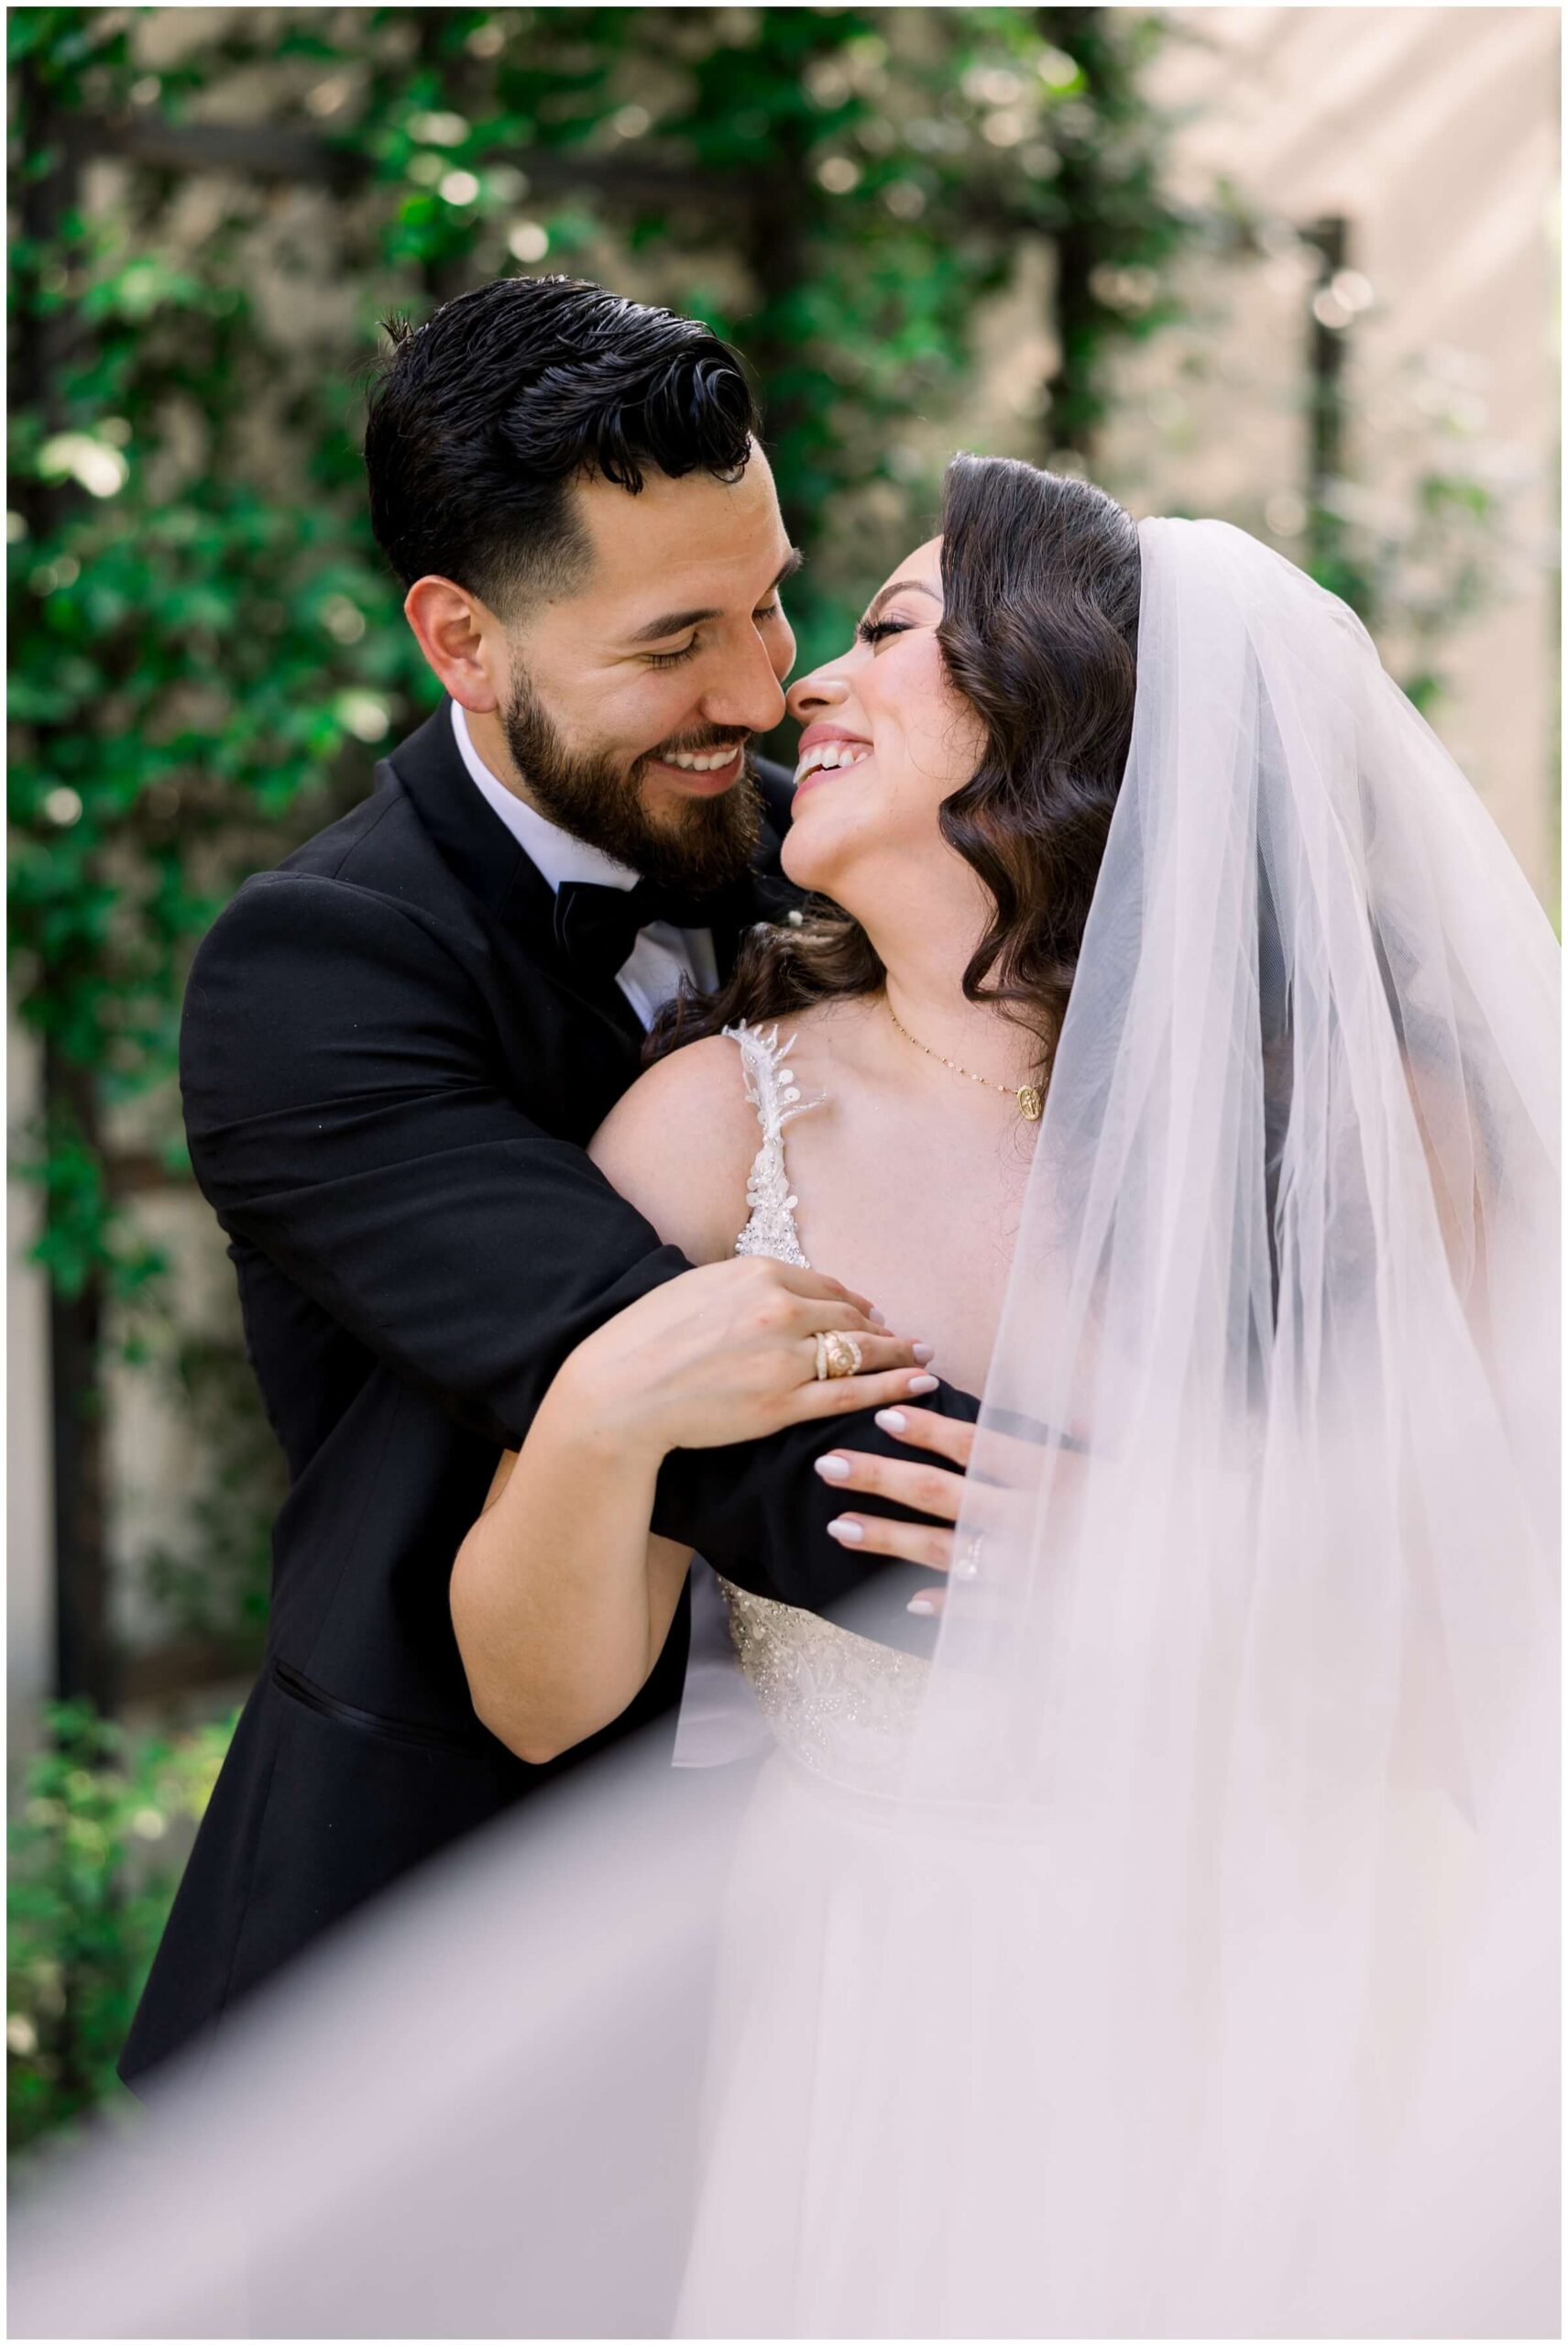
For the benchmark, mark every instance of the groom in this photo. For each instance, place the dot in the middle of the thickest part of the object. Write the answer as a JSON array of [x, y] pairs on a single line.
[[395, 1045]]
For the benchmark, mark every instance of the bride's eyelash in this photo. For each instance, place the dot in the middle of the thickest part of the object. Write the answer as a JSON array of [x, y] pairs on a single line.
[[872, 630], [673, 659]]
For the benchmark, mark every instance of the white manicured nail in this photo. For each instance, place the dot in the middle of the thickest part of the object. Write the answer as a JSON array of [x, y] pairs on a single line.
[[924, 1383], [834, 1468], [891, 1421], [920, 1604], [844, 1527]]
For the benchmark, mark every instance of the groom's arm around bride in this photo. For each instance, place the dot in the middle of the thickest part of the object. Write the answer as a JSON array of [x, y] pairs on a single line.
[[396, 1045]]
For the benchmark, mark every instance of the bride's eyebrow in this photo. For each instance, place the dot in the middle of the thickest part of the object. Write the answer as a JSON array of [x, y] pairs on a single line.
[[897, 586]]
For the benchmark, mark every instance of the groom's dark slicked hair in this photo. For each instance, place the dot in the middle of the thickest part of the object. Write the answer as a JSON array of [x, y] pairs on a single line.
[[482, 420]]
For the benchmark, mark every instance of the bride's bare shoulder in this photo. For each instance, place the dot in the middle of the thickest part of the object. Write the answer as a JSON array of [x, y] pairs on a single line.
[[680, 1143]]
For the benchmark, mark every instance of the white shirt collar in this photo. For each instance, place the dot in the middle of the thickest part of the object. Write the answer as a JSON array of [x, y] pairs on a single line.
[[552, 851]]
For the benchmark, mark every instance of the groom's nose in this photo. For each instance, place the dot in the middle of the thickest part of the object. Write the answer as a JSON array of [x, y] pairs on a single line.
[[745, 696]]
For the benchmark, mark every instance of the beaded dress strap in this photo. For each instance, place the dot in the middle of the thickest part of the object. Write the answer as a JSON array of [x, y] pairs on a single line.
[[773, 1092]]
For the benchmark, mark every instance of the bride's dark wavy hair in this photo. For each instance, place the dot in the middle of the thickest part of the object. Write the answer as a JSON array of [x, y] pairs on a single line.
[[1040, 582]]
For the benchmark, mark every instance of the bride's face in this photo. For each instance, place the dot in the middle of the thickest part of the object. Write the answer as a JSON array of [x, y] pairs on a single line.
[[886, 739]]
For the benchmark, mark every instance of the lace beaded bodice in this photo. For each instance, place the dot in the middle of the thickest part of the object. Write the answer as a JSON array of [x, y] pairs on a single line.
[[840, 1704], [773, 1092]]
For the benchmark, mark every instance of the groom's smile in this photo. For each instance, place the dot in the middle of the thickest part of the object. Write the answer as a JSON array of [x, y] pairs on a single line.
[[701, 772]]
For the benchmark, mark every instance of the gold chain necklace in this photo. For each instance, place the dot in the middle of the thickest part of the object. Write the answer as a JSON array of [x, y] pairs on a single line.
[[1030, 1098]]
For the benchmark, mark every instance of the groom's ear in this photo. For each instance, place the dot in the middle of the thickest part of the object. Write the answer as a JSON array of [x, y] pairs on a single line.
[[462, 639]]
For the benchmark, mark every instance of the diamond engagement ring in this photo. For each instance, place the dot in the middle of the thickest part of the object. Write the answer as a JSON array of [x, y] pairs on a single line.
[[838, 1354]]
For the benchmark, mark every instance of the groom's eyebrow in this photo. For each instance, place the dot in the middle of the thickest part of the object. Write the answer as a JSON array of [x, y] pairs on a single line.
[[677, 622]]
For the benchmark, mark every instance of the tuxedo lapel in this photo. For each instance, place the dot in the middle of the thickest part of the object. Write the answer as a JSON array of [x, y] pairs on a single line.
[[472, 838], [475, 844]]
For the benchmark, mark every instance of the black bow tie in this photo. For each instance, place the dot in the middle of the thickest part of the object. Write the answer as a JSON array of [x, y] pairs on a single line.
[[596, 926]]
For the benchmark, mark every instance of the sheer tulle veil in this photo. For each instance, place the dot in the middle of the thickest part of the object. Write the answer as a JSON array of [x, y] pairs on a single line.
[[1205, 1964], [1243, 1737]]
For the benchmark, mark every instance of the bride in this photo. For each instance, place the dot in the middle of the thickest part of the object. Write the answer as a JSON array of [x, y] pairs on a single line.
[[1187, 1918]]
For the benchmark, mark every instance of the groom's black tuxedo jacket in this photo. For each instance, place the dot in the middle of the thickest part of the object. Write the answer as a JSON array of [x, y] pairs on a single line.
[[389, 1070]]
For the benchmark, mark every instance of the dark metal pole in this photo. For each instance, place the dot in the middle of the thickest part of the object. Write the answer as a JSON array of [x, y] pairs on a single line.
[[1076, 393], [1330, 238], [84, 1660]]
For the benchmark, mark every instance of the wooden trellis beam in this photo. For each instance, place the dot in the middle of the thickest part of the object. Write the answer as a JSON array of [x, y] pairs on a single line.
[[274, 152]]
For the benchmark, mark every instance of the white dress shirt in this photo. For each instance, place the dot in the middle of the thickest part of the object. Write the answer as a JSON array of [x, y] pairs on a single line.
[[663, 954]]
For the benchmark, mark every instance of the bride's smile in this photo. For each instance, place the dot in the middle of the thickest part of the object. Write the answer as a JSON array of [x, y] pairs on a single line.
[[886, 739], [825, 749]]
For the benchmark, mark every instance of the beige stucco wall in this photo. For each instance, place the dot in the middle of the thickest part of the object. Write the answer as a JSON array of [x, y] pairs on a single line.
[[1434, 132]]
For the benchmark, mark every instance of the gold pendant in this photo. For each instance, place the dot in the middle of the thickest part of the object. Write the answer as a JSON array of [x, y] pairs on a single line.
[[1030, 1103]]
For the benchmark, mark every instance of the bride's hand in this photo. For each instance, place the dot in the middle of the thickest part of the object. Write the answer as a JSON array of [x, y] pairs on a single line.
[[924, 1488], [727, 1352], [1000, 1503]]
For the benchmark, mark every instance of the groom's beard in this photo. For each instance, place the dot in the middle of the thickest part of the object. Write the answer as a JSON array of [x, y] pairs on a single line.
[[702, 845]]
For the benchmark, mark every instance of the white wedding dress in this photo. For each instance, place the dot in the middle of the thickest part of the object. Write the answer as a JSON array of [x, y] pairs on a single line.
[[808, 1906]]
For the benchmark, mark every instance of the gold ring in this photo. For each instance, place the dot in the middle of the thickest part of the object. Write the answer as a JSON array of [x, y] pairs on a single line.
[[838, 1354]]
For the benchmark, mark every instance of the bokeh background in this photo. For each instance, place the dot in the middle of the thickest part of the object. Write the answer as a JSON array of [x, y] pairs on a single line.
[[1291, 266]]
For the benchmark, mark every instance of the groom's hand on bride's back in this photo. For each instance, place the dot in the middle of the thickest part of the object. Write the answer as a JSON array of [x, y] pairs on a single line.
[[728, 1352]]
